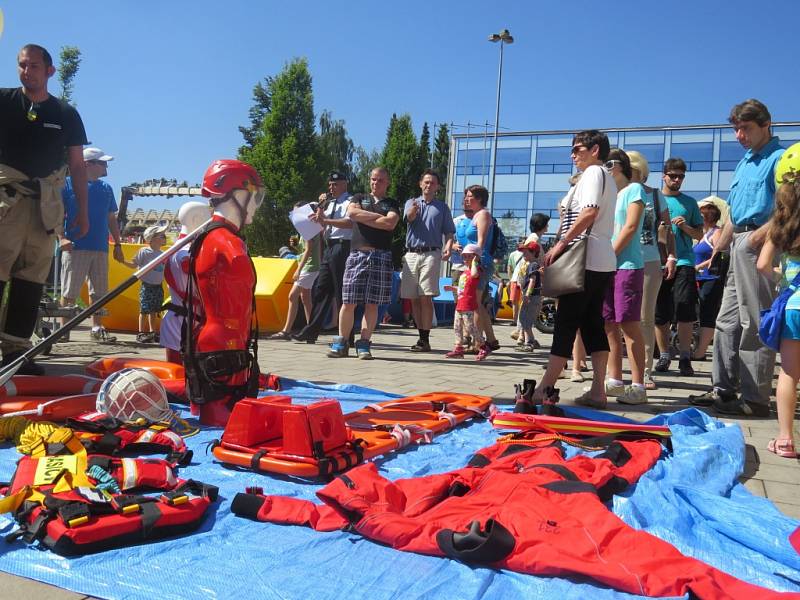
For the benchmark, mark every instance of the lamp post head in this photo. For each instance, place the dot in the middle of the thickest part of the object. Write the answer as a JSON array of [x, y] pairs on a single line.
[[504, 36]]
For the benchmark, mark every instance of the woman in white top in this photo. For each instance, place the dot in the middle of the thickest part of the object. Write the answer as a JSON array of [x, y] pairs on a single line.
[[590, 204]]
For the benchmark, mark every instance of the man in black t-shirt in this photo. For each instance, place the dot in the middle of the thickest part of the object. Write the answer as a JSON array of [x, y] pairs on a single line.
[[40, 136], [368, 271]]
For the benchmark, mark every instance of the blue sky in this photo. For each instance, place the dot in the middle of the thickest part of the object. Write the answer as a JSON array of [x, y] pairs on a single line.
[[164, 85]]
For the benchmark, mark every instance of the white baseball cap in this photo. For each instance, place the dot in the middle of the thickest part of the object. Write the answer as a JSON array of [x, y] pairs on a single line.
[[96, 154]]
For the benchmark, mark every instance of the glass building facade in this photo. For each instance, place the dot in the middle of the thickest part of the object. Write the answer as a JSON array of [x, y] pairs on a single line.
[[533, 168]]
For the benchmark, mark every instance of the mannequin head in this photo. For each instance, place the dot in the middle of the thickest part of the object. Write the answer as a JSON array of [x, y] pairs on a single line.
[[235, 190], [192, 215]]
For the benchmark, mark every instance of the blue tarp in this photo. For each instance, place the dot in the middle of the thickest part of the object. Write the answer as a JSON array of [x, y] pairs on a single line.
[[690, 498]]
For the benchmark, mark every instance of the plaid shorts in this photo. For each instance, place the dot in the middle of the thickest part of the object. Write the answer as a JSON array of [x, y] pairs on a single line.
[[368, 277]]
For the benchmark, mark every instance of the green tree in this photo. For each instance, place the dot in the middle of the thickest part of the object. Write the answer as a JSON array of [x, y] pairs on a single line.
[[70, 59], [262, 102], [364, 163], [336, 149], [441, 155], [424, 161], [286, 155]]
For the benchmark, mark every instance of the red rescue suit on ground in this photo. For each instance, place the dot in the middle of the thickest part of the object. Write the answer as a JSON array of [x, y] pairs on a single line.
[[220, 368], [516, 507]]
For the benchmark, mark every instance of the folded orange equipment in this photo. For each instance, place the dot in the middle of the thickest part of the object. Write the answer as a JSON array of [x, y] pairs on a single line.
[[272, 434]]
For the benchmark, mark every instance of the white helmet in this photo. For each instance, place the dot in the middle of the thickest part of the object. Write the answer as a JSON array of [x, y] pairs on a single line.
[[193, 214], [130, 394]]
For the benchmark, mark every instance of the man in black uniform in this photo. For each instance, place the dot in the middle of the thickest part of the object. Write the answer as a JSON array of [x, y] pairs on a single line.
[[368, 271], [327, 290], [39, 136]]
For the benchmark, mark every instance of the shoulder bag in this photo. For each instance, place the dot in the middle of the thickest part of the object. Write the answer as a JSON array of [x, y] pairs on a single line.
[[662, 230], [770, 327]]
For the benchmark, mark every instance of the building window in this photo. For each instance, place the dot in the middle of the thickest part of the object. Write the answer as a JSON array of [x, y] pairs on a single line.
[[546, 202], [473, 162], [730, 153], [553, 160], [697, 156], [510, 200], [654, 153], [513, 161]]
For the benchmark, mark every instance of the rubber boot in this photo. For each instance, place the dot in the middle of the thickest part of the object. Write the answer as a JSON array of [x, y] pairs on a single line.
[[524, 397]]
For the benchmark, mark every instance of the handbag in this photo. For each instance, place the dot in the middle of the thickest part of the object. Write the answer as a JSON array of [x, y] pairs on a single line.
[[662, 231], [771, 325], [567, 273]]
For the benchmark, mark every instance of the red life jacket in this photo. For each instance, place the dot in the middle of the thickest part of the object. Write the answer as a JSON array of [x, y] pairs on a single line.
[[518, 507], [79, 519]]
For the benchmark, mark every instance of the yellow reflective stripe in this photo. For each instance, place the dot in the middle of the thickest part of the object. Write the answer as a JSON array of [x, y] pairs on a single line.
[[129, 473]]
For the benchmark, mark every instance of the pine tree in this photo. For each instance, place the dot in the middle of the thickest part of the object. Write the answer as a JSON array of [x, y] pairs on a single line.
[[424, 160], [260, 109], [70, 63], [441, 155], [286, 154]]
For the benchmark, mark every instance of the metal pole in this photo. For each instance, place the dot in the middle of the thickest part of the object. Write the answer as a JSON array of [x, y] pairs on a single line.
[[496, 125]]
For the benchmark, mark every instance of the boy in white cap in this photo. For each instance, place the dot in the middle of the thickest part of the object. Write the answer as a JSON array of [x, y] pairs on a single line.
[[466, 305], [151, 294]]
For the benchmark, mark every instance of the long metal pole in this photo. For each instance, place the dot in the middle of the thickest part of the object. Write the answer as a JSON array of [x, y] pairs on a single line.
[[496, 126]]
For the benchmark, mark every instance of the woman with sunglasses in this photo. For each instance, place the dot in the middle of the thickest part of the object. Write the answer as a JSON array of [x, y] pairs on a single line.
[[590, 204], [622, 308]]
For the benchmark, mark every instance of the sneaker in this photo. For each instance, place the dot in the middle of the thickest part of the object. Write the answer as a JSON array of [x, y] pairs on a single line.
[[101, 335], [685, 367], [495, 345], [633, 395], [586, 400], [484, 351], [362, 350], [614, 389], [421, 346], [741, 408], [304, 337], [65, 338], [524, 348], [28, 368], [457, 352], [662, 366], [536, 345], [145, 337], [710, 398], [338, 348]]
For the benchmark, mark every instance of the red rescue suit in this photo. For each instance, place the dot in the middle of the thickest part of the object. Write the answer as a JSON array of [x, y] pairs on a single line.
[[222, 286], [516, 507]]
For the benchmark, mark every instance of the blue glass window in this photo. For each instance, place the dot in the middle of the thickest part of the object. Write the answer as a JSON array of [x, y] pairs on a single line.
[[697, 156], [473, 162], [547, 201], [654, 153], [513, 160], [730, 153], [515, 200], [553, 160]]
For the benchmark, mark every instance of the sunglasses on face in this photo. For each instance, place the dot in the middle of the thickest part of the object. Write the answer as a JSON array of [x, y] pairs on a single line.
[[678, 176], [577, 149], [610, 164]]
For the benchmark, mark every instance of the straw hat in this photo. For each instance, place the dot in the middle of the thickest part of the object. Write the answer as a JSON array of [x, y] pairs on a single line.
[[722, 206]]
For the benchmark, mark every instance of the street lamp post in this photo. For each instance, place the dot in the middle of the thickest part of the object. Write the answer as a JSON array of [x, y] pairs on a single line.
[[504, 37]]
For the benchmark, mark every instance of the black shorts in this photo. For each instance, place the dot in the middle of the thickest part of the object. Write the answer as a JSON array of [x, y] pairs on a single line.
[[710, 294], [677, 298]]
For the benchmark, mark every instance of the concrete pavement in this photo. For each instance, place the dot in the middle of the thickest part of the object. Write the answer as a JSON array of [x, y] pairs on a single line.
[[396, 369]]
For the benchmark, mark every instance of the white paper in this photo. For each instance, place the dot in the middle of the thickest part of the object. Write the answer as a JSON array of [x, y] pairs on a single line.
[[306, 228]]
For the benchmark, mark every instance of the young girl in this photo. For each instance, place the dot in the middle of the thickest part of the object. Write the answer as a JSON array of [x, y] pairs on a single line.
[[530, 284], [151, 294], [304, 277], [784, 237], [467, 304]]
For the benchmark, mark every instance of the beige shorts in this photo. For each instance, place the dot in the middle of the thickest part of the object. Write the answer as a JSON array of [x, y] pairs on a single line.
[[26, 249], [77, 265], [306, 280], [420, 274]]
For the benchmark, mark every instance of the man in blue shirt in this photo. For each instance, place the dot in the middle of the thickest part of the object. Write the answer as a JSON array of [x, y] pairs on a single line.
[[741, 362], [87, 257], [677, 298], [428, 241]]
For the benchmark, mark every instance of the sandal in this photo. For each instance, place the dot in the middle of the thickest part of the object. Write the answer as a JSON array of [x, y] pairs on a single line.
[[586, 400], [281, 335], [782, 447]]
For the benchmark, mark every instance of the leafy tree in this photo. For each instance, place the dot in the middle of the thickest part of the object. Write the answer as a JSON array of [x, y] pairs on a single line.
[[70, 59], [441, 155], [424, 161], [335, 147], [285, 153], [364, 163], [262, 102]]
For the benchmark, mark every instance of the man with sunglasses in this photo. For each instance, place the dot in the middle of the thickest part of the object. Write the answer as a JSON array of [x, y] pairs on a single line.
[[741, 362], [677, 298], [87, 257], [40, 136]]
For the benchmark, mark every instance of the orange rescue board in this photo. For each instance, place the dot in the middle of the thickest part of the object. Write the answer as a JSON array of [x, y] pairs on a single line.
[[271, 434], [103, 367], [49, 408]]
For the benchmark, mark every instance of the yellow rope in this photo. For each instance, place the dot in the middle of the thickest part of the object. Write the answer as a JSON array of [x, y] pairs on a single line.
[[26, 435], [555, 437]]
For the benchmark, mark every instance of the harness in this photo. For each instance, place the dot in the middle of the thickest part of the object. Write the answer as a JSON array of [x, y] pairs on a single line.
[[204, 370]]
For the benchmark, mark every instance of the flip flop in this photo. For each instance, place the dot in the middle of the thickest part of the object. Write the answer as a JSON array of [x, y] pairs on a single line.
[[782, 447]]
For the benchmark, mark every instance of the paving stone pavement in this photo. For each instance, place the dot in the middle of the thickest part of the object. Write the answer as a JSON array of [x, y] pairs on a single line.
[[396, 369]]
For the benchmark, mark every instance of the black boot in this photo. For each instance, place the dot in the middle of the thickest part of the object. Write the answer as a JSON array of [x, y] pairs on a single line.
[[549, 408], [524, 397]]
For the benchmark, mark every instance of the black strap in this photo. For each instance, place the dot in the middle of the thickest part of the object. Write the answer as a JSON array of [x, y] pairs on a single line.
[[255, 460]]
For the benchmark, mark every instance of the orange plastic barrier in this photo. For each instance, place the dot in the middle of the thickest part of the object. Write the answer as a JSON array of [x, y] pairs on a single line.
[[272, 434], [273, 284], [103, 367]]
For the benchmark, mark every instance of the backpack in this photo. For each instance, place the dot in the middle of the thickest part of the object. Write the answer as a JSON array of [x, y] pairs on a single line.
[[771, 325], [499, 246]]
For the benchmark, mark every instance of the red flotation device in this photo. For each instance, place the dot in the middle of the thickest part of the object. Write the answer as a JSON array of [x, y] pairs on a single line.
[[50, 398], [575, 427], [272, 434]]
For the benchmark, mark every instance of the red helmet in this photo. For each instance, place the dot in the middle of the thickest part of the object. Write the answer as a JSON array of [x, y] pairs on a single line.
[[226, 175]]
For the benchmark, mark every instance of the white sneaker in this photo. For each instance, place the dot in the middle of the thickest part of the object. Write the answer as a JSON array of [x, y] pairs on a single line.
[[633, 395], [614, 389]]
